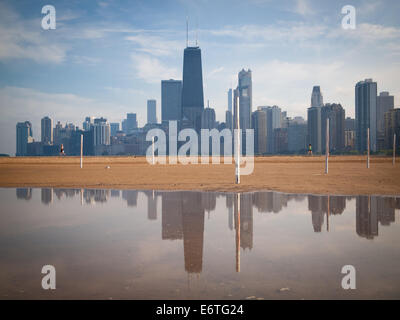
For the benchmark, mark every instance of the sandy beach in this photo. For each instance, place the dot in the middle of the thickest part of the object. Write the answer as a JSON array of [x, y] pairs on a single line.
[[297, 174]]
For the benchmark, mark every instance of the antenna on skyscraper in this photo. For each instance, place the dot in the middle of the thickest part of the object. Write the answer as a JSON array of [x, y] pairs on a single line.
[[187, 31], [197, 27]]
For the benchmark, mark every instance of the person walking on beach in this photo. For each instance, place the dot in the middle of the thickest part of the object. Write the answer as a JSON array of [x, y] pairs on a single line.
[[310, 150], [62, 150]]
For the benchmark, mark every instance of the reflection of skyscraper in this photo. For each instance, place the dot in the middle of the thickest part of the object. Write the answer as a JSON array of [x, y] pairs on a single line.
[[246, 220], [208, 201], [115, 193], [193, 231], [192, 87], [24, 193], [315, 205], [171, 218], [151, 205], [131, 197], [366, 219], [229, 205], [47, 195], [337, 204], [384, 210]]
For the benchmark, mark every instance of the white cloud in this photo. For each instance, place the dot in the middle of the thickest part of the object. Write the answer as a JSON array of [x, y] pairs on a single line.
[[151, 69], [155, 45], [20, 38]]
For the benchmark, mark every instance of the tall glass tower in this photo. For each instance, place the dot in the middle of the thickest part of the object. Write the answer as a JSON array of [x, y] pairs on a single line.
[[192, 87]]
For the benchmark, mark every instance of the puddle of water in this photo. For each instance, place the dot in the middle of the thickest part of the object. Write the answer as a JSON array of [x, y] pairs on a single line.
[[132, 244]]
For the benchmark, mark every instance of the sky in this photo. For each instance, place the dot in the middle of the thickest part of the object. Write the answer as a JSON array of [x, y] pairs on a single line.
[[107, 58]]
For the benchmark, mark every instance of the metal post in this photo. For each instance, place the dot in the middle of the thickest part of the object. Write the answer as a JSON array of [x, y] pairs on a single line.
[[327, 147], [152, 148], [81, 151], [237, 141], [237, 233], [394, 149], [368, 148]]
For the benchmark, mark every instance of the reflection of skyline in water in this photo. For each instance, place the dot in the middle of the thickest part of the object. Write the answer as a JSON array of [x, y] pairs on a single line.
[[183, 213]]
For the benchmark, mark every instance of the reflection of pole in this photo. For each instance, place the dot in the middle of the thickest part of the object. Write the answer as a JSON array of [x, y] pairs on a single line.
[[327, 146], [394, 149], [152, 148], [237, 225], [327, 215], [81, 151], [368, 148], [81, 197], [237, 141]]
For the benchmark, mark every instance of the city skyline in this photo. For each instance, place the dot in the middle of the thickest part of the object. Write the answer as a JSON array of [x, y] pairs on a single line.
[[58, 93]]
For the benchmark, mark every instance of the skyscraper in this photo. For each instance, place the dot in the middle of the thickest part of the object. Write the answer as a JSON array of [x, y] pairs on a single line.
[[392, 126], [316, 97], [208, 118], [47, 130], [151, 111], [314, 128], [131, 123], [230, 100], [245, 98], [384, 103], [314, 119], [114, 127], [336, 115], [101, 132], [273, 121], [192, 86], [24, 136], [171, 100], [259, 124], [365, 102]]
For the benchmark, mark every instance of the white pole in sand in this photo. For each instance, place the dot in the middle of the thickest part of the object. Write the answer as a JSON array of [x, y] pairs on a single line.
[[368, 148], [327, 147], [152, 148], [237, 141], [394, 149], [81, 151]]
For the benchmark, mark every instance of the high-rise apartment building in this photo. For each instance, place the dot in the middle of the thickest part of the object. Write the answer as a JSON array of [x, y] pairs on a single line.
[[365, 102], [171, 100], [47, 130], [102, 132]]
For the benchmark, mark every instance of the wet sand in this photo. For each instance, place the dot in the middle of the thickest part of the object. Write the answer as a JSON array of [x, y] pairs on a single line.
[[297, 174]]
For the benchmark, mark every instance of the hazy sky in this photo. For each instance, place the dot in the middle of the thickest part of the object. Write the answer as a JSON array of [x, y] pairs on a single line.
[[106, 58]]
